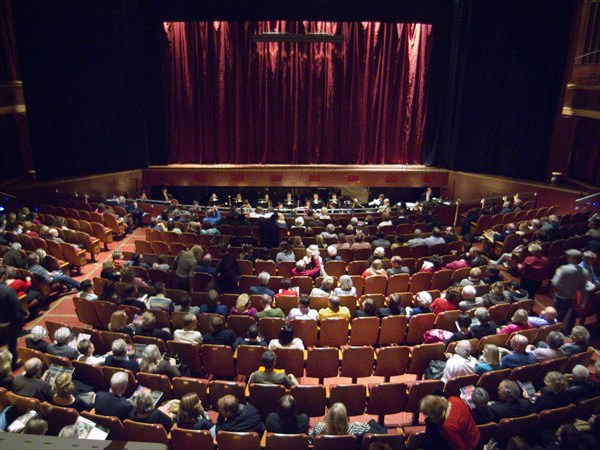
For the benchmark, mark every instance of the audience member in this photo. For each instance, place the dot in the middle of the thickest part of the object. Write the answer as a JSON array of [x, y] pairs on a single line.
[[519, 322], [325, 289], [270, 375], [546, 317], [285, 288], [268, 311], [118, 323], [448, 301], [453, 418], [569, 280], [213, 306], [219, 335], [461, 363], [30, 384], [159, 300], [550, 349], [393, 307], [519, 355], [534, 269], [481, 412], [334, 310], [148, 328], [132, 297], [63, 394], [87, 349], [189, 333], [337, 423], [153, 362], [261, 288], [579, 385], [303, 311], [252, 337], [145, 411], [237, 418], [119, 357], [423, 302], [87, 290], [511, 404], [580, 338], [61, 347], [489, 360], [553, 394], [35, 339], [396, 267], [286, 340], [287, 420], [6, 378], [482, 326], [191, 414], [345, 287], [243, 307]]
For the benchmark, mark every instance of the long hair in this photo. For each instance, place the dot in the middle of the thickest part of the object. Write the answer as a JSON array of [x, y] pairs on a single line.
[[188, 412], [336, 420], [150, 359]]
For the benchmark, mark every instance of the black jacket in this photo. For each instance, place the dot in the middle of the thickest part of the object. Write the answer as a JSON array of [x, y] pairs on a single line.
[[109, 404], [122, 363], [247, 420]]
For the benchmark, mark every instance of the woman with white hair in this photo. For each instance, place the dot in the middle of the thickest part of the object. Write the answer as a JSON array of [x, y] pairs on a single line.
[[61, 347], [325, 289], [423, 302], [345, 287], [332, 254], [153, 362], [298, 223], [36, 339]]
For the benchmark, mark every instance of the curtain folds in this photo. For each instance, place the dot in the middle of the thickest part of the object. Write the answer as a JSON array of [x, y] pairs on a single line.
[[231, 100]]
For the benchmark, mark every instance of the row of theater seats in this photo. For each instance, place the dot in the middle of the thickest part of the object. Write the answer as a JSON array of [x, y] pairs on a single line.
[[378, 399]]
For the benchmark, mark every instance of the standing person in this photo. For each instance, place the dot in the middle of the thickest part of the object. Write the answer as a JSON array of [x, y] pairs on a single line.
[[186, 266], [534, 269], [228, 272], [12, 316], [568, 280], [269, 232]]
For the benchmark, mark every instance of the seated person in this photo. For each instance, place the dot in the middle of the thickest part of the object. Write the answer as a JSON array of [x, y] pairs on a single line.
[[286, 339], [515, 293], [393, 307], [253, 337], [269, 375], [481, 412], [219, 335], [144, 411], [153, 362], [191, 414], [243, 307], [482, 326], [519, 355], [580, 338], [495, 296], [213, 306], [345, 287], [579, 385], [553, 394], [461, 363], [469, 298], [433, 264], [334, 310], [550, 349], [463, 322], [132, 297], [447, 302], [489, 360], [287, 420], [370, 309], [86, 349], [36, 341], [60, 347], [423, 302], [546, 317], [397, 267], [375, 269], [119, 357], [262, 288], [205, 265], [87, 290], [332, 253], [473, 279], [511, 404], [336, 422], [185, 305], [493, 275], [148, 328], [285, 288], [237, 418], [36, 426], [189, 333], [110, 272], [159, 300], [325, 289], [118, 323], [6, 378], [63, 394], [303, 311], [30, 384], [302, 271], [519, 322], [268, 311]]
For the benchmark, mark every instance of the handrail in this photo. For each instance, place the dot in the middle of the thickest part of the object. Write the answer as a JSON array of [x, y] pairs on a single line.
[[587, 197], [4, 194]]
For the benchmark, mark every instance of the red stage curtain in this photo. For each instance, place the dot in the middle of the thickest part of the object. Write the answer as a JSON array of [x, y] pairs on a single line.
[[230, 100]]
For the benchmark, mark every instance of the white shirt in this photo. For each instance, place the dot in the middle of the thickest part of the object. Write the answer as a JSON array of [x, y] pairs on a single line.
[[296, 343], [296, 313], [457, 366], [192, 337]]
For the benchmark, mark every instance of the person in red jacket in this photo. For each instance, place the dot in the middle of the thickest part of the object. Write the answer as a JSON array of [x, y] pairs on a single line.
[[534, 269], [23, 288], [454, 419], [301, 271]]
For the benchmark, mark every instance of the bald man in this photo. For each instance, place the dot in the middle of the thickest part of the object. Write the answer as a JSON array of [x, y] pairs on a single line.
[[546, 317], [30, 384], [519, 355]]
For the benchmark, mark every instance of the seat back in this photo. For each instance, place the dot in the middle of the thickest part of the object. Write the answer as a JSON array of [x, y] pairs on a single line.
[[420, 281], [417, 326], [156, 382], [322, 362], [357, 362], [422, 354], [395, 440], [331, 442], [89, 374], [86, 312], [104, 311], [291, 361], [446, 320], [58, 417], [525, 373], [116, 431], [520, 426], [276, 441], [185, 385], [392, 330], [249, 359], [217, 389], [391, 361], [310, 399], [333, 333], [218, 360], [238, 441], [353, 396], [270, 327], [375, 284], [417, 392], [306, 330], [453, 386], [265, 397], [386, 398], [145, 432], [551, 419], [365, 331], [191, 439], [189, 354]]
